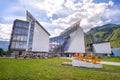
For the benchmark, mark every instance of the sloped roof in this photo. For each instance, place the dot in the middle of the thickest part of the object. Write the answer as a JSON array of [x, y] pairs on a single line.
[[71, 29], [42, 27], [29, 16]]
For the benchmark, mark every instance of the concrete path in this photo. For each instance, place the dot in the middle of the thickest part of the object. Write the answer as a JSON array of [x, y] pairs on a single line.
[[110, 63]]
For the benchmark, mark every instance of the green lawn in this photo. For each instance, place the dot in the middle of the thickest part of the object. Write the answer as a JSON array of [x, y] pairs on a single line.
[[111, 59], [51, 69]]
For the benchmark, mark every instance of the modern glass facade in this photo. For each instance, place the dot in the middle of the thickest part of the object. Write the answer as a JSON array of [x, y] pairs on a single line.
[[19, 35], [31, 37], [23, 33], [61, 43]]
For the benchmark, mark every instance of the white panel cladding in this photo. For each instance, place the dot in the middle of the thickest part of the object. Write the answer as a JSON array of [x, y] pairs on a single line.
[[40, 39], [77, 43], [102, 48]]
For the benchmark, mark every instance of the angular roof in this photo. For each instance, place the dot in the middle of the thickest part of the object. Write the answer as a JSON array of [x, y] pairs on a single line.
[[31, 18], [71, 29], [42, 27]]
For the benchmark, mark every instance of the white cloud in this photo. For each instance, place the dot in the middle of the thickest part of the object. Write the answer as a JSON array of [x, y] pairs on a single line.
[[58, 31], [53, 6], [112, 14], [47, 24], [5, 31], [90, 14], [111, 3], [87, 11], [12, 18], [50, 6]]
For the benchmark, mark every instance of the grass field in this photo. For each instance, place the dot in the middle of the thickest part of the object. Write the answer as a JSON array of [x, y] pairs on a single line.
[[51, 69], [111, 59]]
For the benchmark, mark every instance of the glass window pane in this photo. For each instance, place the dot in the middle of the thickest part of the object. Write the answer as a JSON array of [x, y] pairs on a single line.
[[14, 37], [17, 45], [13, 45]]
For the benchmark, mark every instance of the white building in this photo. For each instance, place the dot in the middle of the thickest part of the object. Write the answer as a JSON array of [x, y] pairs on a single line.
[[70, 41], [29, 36], [40, 39], [75, 42], [102, 48]]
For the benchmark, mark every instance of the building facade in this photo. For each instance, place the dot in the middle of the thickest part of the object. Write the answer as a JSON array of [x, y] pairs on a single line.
[[102, 48], [29, 37], [70, 41]]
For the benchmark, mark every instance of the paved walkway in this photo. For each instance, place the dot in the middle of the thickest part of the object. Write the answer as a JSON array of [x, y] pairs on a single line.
[[102, 62], [110, 63]]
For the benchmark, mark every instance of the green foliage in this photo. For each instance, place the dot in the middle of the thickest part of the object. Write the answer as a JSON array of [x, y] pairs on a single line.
[[115, 43], [7, 53], [100, 34], [111, 59], [1, 51], [51, 69], [115, 35], [114, 38]]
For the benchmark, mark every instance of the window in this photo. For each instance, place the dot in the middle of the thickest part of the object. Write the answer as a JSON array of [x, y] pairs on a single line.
[[18, 37], [30, 46], [22, 24], [17, 24], [13, 45], [20, 45], [17, 45], [25, 25], [25, 38], [24, 31], [30, 40], [22, 38], [15, 30], [31, 34], [32, 26], [24, 45], [14, 37]]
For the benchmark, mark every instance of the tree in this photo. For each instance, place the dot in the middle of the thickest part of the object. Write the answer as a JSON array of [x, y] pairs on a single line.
[[7, 53], [1, 51]]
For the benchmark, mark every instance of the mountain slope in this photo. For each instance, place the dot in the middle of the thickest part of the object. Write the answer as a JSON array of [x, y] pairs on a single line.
[[114, 38], [108, 32]]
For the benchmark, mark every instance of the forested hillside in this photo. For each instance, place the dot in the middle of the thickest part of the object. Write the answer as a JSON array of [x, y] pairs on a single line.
[[108, 32]]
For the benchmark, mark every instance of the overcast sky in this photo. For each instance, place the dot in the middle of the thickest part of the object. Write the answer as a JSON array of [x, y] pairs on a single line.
[[57, 15]]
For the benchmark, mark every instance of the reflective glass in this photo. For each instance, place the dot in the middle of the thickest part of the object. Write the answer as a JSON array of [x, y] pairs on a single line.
[[24, 31], [22, 24], [30, 46], [24, 45], [13, 45], [25, 25], [15, 30], [18, 38], [17, 45], [14, 37], [22, 38], [32, 26], [30, 40], [17, 24]]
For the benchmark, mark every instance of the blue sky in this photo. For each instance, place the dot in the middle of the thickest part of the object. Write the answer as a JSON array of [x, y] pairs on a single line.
[[57, 15]]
